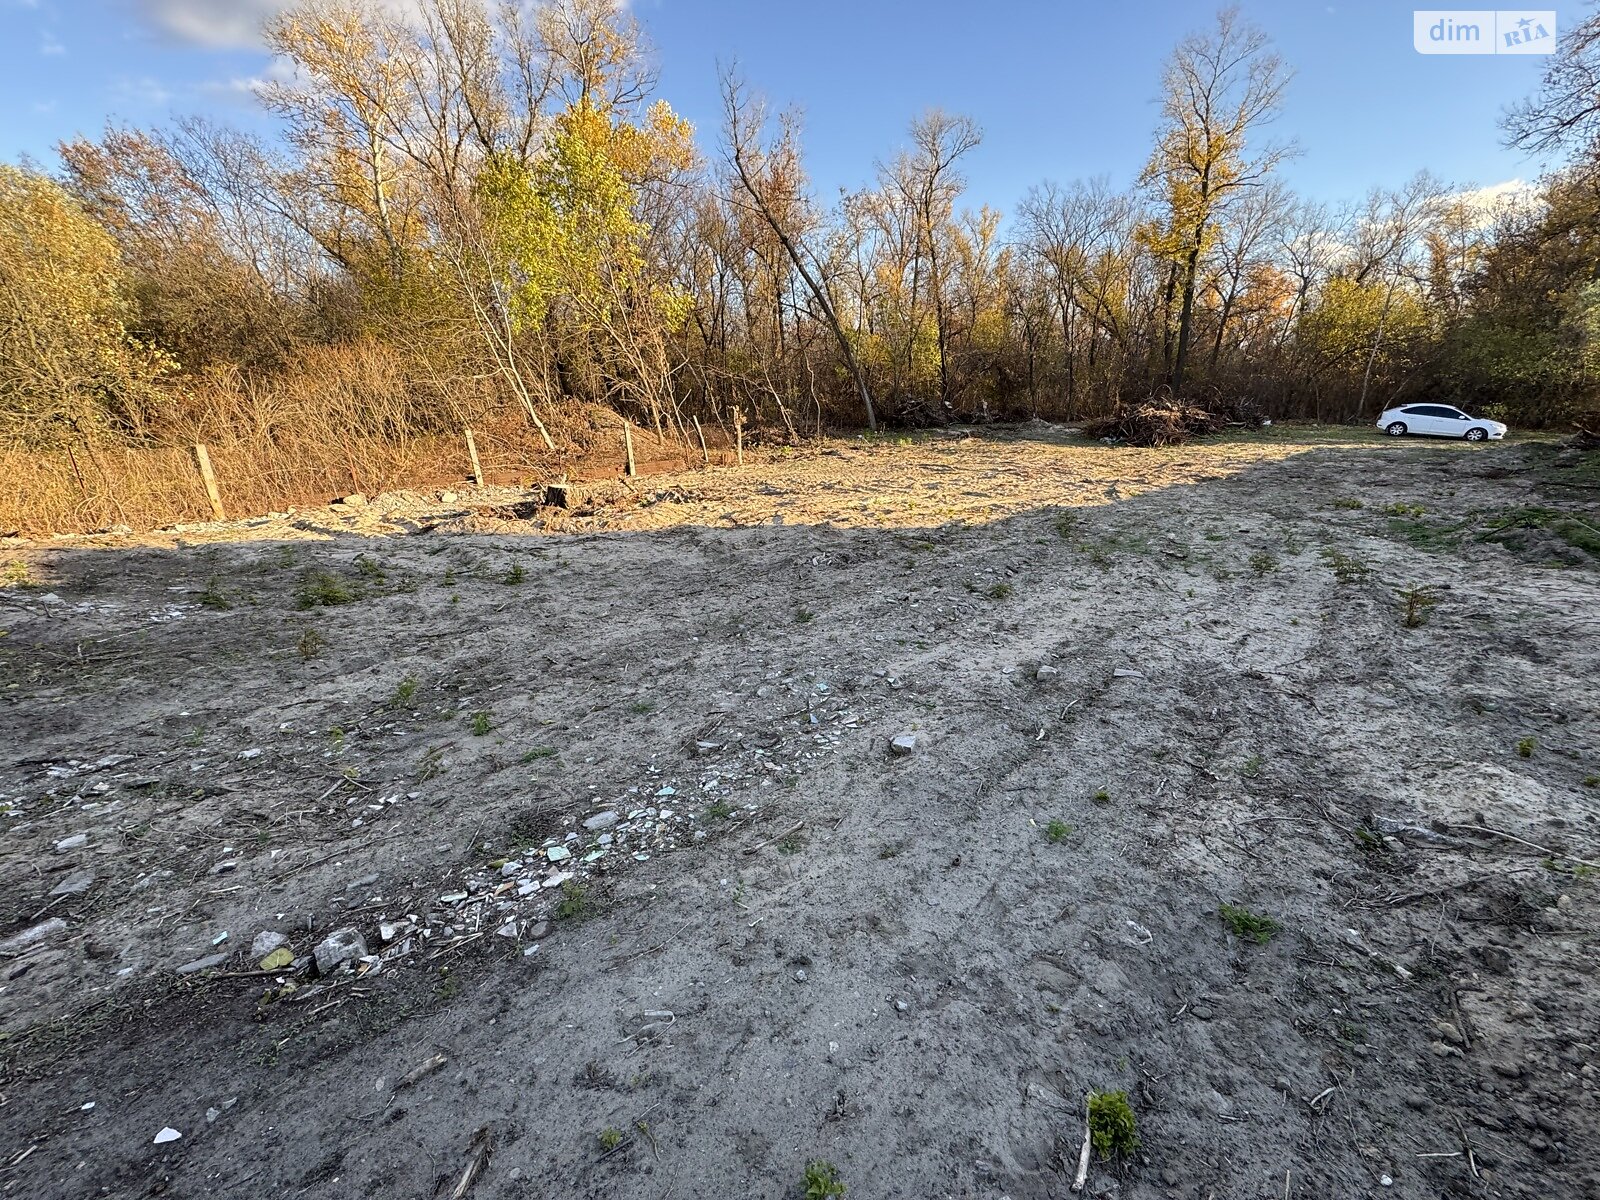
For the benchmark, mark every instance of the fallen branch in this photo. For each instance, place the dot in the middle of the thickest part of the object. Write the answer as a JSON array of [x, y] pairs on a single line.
[[1545, 850], [478, 1149], [798, 825], [1082, 1176]]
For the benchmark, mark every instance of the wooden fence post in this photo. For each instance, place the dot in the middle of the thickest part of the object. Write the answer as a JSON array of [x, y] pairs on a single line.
[[210, 480], [472, 450], [738, 433], [627, 441], [704, 453]]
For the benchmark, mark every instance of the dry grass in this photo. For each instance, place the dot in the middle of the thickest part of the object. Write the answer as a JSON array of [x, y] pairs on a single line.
[[350, 419]]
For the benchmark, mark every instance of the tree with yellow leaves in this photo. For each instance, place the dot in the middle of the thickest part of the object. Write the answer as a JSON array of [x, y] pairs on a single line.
[[1218, 90]]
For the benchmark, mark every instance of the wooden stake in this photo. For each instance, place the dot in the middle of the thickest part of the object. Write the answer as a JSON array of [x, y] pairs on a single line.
[[627, 441], [210, 480], [704, 453], [472, 449], [738, 433]]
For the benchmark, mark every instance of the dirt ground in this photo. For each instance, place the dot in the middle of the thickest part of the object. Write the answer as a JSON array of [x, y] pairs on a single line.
[[652, 907]]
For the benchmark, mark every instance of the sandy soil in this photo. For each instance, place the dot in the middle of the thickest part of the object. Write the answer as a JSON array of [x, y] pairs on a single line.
[[790, 943]]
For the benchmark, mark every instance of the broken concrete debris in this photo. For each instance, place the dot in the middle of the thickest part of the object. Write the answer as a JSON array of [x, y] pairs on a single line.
[[74, 885], [339, 947], [32, 936], [266, 942], [903, 743]]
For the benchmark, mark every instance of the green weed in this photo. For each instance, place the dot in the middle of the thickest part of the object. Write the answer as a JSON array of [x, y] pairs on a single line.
[[1112, 1128], [1416, 601], [482, 722], [1246, 924], [1345, 568], [1526, 747], [321, 589], [212, 596], [311, 645], [1057, 832], [821, 1180], [574, 902]]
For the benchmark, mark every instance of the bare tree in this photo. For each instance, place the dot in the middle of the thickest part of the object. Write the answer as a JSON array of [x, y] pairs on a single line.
[[771, 180]]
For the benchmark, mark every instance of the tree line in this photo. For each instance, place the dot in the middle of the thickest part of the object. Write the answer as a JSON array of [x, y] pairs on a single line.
[[476, 209]]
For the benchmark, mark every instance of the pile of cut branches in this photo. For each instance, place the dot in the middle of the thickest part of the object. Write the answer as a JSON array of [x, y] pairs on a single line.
[[1161, 420]]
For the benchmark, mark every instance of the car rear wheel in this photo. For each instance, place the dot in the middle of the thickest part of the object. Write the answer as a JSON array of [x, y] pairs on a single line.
[[1477, 435], [1395, 429]]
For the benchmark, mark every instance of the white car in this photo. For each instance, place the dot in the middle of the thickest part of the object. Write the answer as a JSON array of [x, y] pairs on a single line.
[[1438, 420]]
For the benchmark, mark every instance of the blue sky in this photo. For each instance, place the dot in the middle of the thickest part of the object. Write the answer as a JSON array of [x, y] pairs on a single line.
[[1061, 89]]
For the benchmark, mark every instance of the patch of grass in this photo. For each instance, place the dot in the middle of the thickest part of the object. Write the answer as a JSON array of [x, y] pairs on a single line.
[[432, 764], [1368, 840], [1427, 535], [1506, 528], [1402, 509], [371, 568], [449, 985], [322, 589], [609, 1139], [1000, 591], [481, 722], [1113, 1130], [804, 616], [643, 707], [1067, 524], [791, 844], [1571, 870], [311, 645], [1251, 767], [1248, 925], [449, 577], [17, 574], [212, 596], [515, 575], [574, 902], [539, 752], [1526, 747], [1345, 567], [1415, 602], [1591, 781], [404, 692], [1102, 797], [1349, 502], [1057, 832], [1263, 562], [720, 810], [821, 1180]]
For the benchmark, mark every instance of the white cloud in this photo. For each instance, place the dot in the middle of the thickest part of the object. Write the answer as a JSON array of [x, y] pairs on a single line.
[[224, 23], [220, 23], [50, 45], [1488, 202], [143, 90]]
